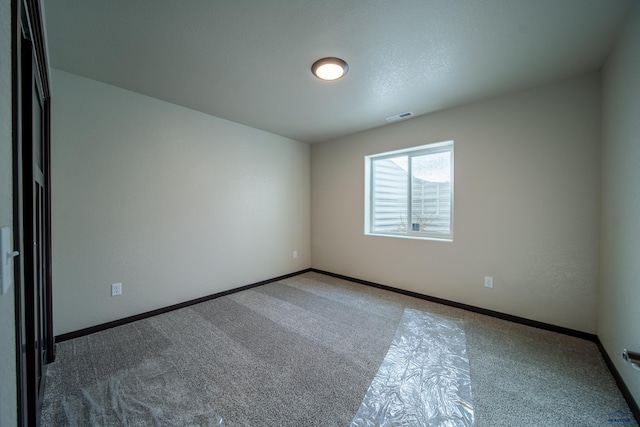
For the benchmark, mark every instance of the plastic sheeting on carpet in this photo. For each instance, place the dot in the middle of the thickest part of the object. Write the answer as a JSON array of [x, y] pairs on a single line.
[[151, 394], [424, 379]]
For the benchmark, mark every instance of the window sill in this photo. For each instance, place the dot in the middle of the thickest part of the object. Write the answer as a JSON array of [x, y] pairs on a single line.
[[411, 237]]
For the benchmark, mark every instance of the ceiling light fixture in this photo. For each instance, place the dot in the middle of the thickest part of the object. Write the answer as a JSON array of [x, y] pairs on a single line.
[[329, 68]]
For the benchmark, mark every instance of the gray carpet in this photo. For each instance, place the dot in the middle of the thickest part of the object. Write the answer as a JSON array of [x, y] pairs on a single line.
[[303, 352]]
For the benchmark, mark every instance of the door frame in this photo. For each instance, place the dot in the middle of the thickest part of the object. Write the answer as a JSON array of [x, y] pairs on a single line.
[[29, 56]]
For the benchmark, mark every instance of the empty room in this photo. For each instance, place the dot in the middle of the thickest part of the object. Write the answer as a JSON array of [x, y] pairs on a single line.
[[320, 213]]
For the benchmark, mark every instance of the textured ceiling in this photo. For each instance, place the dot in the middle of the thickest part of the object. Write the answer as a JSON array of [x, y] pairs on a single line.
[[249, 60]]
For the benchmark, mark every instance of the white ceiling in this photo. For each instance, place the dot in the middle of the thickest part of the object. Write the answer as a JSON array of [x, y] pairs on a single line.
[[249, 60]]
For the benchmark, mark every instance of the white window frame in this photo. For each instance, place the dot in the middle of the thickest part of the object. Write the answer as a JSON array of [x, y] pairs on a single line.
[[438, 147]]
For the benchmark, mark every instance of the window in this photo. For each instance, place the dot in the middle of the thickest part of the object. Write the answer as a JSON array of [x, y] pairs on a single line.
[[409, 193]]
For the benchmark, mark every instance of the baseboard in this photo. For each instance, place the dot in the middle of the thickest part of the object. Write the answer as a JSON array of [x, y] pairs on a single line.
[[119, 322], [633, 405], [497, 314], [516, 319]]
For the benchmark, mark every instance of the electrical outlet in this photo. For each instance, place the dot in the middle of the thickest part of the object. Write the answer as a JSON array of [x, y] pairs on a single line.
[[116, 289], [295, 254], [488, 282]]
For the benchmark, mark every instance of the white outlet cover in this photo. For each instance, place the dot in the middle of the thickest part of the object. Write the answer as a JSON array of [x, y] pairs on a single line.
[[116, 289], [488, 282]]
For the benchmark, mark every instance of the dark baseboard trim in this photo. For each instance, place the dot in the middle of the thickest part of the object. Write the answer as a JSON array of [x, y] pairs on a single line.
[[497, 314], [119, 322], [635, 409]]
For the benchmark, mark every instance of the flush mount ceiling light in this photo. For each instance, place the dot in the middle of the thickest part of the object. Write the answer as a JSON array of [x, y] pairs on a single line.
[[329, 68]]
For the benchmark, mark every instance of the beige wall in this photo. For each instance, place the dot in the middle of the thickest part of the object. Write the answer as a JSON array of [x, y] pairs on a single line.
[[619, 296], [526, 206], [173, 203], [8, 408]]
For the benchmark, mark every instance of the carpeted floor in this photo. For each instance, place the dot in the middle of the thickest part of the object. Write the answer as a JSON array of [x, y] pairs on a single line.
[[304, 352]]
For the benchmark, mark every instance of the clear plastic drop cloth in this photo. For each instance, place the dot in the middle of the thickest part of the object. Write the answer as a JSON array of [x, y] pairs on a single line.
[[424, 379], [150, 394]]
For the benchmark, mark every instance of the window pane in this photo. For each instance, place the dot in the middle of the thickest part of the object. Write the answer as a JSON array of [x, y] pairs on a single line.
[[409, 192], [431, 193], [390, 195]]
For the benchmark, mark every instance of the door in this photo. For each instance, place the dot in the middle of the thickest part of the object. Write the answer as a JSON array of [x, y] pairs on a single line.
[[32, 212]]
